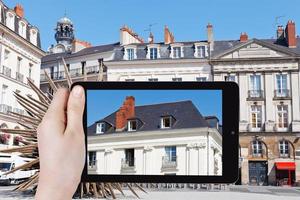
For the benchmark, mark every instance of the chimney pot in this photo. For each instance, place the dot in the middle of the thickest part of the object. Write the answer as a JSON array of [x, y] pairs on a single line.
[[169, 37], [19, 10], [210, 35]]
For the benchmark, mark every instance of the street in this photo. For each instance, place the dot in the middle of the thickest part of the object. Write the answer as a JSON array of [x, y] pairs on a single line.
[[230, 193]]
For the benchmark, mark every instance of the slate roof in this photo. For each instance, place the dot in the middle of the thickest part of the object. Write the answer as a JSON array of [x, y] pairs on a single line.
[[185, 113], [4, 10], [83, 52]]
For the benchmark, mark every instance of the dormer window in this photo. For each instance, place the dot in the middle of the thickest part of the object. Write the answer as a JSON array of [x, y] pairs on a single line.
[[22, 29], [200, 51], [33, 36], [166, 122], [100, 129], [10, 20], [153, 53], [132, 125], [177, 50], [130, 53]]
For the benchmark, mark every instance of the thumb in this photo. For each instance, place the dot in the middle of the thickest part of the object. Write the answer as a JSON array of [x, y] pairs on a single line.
[[75, 109]]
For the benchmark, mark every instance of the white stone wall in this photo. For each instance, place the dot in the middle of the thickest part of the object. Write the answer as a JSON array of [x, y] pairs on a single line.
[[194, 150]]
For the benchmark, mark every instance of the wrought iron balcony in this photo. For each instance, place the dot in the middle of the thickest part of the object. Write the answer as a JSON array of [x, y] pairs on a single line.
[[282, 94], [6, 71], [255, 94], [169, 162], [5, 108], [19, 77]]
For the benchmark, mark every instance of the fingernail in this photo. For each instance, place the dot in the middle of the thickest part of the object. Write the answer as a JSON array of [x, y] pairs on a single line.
[[77, 92]]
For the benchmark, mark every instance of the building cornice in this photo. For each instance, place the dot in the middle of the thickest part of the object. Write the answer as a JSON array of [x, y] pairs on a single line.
[[157, 61]]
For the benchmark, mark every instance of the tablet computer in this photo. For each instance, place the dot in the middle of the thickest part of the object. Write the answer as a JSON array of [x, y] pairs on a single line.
[[162, 132]]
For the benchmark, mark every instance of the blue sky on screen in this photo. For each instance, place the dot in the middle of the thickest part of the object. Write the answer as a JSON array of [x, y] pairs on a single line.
[[99, 21], [101, 103]]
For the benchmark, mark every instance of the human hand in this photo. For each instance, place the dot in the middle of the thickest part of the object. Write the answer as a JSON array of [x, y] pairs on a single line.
[[61, 146]]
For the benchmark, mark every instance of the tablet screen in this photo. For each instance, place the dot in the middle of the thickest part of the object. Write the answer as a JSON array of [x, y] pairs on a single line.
[[154, 132]]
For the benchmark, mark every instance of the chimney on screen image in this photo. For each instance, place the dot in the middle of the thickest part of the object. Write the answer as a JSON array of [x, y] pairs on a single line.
[[290, 34], [126, 112]]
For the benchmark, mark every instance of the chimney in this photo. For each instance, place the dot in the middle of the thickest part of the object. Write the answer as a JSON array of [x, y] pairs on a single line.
[[169, 37], [126, 112], [244, 37], [128, 36], [290, 34], [19, 10], [210, 35], [280, 32]]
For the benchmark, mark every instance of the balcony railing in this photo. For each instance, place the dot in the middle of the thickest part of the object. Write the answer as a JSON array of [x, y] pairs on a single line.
[[283, 93], [127, 163], [169, 162], [73, 73], [255, 94], [19, 77], [6, 71], [5, 108]]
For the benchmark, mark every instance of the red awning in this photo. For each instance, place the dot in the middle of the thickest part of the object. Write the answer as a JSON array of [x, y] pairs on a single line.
[[285, 165]]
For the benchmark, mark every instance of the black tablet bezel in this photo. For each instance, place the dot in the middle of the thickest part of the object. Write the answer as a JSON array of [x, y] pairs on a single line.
[[230, 123]]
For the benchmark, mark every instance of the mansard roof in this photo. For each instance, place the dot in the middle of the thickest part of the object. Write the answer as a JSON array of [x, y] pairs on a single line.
[[184, 112]]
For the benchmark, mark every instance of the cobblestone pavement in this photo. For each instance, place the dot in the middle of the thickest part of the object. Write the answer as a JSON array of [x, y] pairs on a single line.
[[229, 193]]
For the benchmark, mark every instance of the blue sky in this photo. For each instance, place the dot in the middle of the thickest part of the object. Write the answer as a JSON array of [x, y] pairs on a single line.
[[101, 103], [98, 21]]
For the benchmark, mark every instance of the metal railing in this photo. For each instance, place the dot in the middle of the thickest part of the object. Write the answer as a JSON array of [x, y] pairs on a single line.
[[169, 162], [5, 108], [283, 93], [19, 77], [5, 71], [255, 94], [73, 73]]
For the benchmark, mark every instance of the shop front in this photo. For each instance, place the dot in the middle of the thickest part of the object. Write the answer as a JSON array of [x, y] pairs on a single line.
[[285, 173]]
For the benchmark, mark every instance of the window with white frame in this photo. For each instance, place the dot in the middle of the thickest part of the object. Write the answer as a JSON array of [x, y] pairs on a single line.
[[33, 36], [129, 54], [10, 20], [170, 154], [282, 116], [281, 85], [201, 79], [200, 51], [100, 128], [177, 52], [166, 122], [256, 148], [284, 148], [255, 85], [132, 125], [22, 29], [153, 53], [256, 117]]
